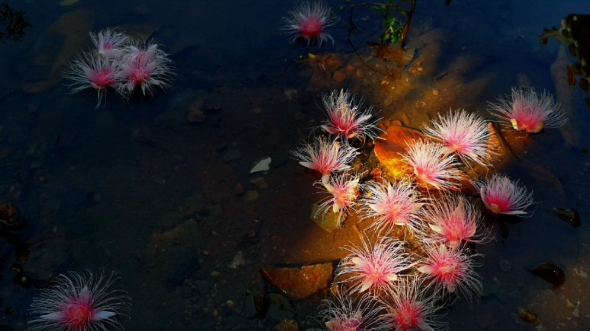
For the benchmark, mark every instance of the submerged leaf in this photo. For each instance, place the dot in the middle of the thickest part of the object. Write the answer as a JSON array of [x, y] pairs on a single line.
[[571, 216]]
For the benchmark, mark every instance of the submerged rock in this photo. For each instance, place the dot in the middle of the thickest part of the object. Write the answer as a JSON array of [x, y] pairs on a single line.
[[279, 309], [300, 282], [57, 45], [287, 325], [329, 221], [394, 143]]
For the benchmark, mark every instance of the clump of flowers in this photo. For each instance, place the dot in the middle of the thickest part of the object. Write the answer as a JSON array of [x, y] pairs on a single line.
[[121, 64]]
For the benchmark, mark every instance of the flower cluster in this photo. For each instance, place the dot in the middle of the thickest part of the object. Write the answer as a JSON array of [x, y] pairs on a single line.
[[397, 287], [121, 64]]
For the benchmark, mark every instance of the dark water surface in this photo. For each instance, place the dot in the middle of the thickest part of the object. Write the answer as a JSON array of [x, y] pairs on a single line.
[[137, 189]]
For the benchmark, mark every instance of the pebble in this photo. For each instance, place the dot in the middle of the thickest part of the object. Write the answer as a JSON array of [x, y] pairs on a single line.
[[576, 312], [291, 94], [581, 272], [339, 76], [259, 182], [195, 113], [237, 261], [251, 195]]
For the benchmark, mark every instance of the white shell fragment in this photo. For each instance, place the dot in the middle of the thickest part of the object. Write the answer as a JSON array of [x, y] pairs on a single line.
[[262, 165]]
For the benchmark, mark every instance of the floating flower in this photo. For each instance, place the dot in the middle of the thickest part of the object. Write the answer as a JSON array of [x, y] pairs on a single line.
[[374, 267], [450, 270], [502, 196], [409, 308], [79, 303], [463, 134], [432, 166], [326, 156], [309, 22], [346, 118], [454, 220], [393, 204], [526, 110]]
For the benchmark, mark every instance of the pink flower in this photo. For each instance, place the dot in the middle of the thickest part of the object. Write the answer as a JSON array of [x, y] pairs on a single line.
[[326, 156], [146, 68], [526, 110], [109, 44], [374, 267], [77, 303], [345, 117], [454, 219], [349, 313], [393, 204], [432, 166], [451, 271], [502, 196], [464, 134], [88, 70], [410, 309], [309, 22], [343, 191]]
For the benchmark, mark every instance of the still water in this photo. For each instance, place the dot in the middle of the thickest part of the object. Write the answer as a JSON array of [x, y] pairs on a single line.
[[168, 203]]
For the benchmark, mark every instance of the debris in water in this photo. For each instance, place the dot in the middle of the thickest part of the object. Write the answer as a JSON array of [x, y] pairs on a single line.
[[528, 316], [551, 274], [571, 216], [262, 165], [237, 261]]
